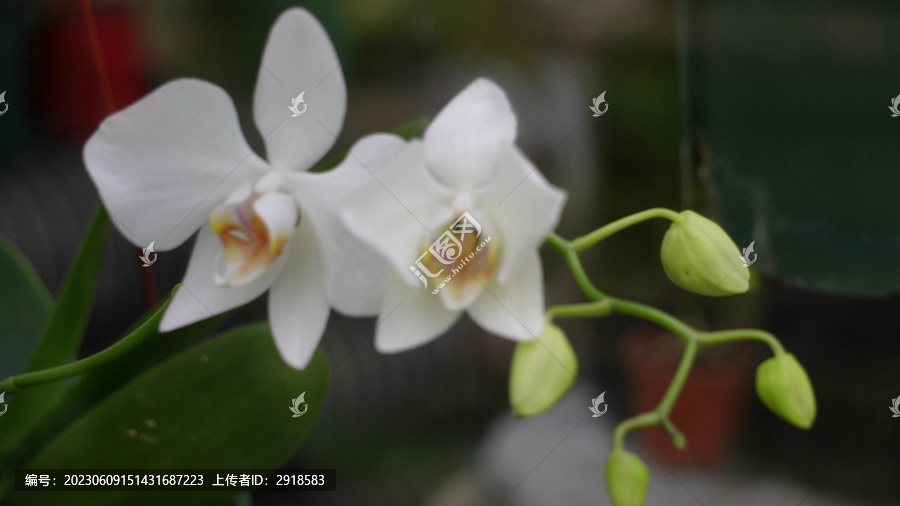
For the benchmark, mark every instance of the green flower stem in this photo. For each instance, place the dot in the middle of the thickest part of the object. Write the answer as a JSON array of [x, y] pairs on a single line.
[[728, 336], [642, 421], [678, 439], [660, 415], [596, 309], [603, 305], [691, 337], [671, 396], [586, 241], [569, 254], [35, 378], [684, 332]]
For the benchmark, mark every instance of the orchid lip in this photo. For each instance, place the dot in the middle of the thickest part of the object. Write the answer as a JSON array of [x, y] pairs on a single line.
[[254, 232], [460, 267], [473, 272]]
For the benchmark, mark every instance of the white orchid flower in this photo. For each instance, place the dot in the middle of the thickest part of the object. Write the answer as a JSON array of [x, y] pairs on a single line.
[[466, 163], [176, 161]]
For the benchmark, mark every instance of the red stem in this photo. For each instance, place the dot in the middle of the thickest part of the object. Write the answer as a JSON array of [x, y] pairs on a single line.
[[90, 25], [109, 105]]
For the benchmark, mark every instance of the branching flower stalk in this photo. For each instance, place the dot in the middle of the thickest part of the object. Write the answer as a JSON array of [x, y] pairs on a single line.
[[786, 373]]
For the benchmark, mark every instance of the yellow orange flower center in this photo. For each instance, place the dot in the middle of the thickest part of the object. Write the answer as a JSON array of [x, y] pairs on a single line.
[[254, 232], [460, 264]]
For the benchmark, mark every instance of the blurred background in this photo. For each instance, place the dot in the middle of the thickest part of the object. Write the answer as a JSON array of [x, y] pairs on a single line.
[[771, 118]]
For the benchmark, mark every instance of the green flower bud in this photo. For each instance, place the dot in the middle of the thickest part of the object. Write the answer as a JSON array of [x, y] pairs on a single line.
[[784, 387], [698, 256], [626, 478], [542, 371]]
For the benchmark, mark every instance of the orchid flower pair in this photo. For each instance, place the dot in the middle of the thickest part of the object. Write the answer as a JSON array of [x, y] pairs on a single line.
[[348, 238]]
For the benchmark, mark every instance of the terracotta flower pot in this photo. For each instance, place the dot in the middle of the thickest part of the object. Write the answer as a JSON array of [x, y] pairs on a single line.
[[710, 408]]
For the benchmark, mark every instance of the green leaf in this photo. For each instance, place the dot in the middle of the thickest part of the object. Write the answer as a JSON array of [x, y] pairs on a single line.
[[223, 404], [61, 413], [91, 388], [24, 306], [141, 348], [61, 336]]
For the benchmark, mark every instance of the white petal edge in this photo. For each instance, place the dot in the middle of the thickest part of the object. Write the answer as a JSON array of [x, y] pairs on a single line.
[[199, 297], [514, 310], [524, 207], [164, 163], [398, 209], [298, 311], [299, 58], [355, 275], [410, 317], [463, 142]]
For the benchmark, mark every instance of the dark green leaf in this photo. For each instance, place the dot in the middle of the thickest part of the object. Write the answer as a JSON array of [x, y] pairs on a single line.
[[90, 389], [61, 336], [24, 306], [223, 404]]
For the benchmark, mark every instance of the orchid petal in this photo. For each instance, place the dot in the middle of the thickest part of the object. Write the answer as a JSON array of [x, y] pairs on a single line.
[[398, 209], [299, 60], [200, 297], [514, 310], [524, 207], [279, 213], [164, 163], [463, 141], [356, 274], [410, 317], [298, 311]]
